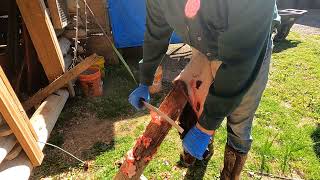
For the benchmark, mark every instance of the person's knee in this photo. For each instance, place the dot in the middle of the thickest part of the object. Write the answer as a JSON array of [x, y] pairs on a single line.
[[239, 144], [239, 136]]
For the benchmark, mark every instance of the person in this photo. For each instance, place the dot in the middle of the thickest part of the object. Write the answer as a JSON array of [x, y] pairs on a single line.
[[235, 32]]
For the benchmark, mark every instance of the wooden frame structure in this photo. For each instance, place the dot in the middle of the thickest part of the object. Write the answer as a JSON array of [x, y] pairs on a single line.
[[18, 121], [44, 38], [17, 131]]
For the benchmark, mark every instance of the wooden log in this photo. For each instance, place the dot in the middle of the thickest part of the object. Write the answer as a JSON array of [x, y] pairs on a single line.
[[64, 44], [146, 146], [6, 145], [15, 119], [43, 121], [14, 152], [60, 82], [5, 130]]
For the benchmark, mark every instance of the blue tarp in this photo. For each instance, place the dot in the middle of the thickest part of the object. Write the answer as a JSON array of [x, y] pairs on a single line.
[[128, 22]]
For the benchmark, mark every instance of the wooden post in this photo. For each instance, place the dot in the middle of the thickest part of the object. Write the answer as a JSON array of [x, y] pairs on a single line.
[[146, 146]]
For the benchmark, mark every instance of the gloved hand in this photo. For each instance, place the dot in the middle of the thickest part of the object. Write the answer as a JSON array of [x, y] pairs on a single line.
[[140, 93], [196, 142]]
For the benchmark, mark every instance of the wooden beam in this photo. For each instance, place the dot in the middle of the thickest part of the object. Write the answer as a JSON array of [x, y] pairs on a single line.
[[43, 121], [60, 82], [43, 36], [14, 118], [17, 103]]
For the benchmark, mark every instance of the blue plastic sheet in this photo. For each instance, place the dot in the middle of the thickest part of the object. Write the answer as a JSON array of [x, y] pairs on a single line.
[[128, 22]]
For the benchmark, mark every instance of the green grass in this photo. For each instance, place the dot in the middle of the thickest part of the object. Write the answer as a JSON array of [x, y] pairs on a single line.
[[286, 126]]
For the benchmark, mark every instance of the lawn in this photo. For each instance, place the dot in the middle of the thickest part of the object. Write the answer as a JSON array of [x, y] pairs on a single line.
[[286, 128]]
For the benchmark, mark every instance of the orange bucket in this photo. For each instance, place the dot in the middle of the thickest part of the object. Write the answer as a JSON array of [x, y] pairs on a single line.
[[90, 82]]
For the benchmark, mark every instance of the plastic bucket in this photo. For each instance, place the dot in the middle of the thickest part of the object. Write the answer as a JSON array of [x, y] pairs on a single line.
[[90, 82], [100, 63]]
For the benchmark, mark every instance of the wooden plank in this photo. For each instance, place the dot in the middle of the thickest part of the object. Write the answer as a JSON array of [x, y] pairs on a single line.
[[43, 36], [17, 103], [18, 125], [60, 82], [43, 120]]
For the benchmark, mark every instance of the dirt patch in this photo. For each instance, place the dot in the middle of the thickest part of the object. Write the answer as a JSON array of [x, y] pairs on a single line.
[[83, 132]]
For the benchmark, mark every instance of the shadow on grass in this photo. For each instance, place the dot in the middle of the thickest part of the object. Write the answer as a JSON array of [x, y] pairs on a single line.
[[198, 170], [284, 45], [316, 139]]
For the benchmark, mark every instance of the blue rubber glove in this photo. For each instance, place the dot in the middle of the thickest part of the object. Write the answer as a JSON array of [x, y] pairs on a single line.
[[140, 93], [196, 142]]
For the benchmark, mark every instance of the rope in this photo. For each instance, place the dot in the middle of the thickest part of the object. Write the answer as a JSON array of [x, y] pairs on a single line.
[[55, 146], [110, 42]]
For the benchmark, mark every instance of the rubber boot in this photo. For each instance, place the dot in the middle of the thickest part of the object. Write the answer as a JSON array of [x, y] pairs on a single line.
[[233, 164]]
